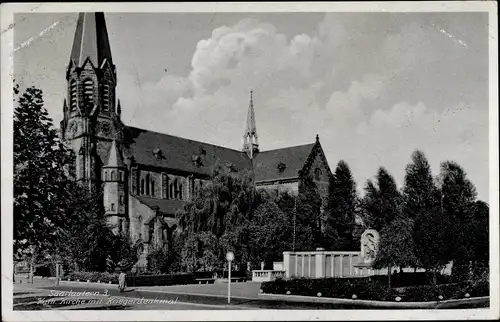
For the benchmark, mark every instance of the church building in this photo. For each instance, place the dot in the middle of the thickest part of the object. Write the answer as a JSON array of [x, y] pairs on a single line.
[[146, 176]]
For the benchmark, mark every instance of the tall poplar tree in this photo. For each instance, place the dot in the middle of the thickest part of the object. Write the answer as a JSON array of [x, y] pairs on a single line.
[[341, 209]]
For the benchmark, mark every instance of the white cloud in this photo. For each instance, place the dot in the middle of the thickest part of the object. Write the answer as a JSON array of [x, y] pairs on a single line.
[[371, 108]]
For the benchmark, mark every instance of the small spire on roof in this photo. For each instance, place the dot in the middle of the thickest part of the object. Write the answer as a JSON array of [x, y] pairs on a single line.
[[317, 137], [115, 158]]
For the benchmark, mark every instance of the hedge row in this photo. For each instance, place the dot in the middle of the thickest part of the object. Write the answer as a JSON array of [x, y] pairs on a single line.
[[371, 289], [102, 277], [133, 280]]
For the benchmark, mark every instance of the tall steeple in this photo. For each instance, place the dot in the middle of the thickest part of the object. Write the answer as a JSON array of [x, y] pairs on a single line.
[[250, 140], [91, 121], [91, 40]]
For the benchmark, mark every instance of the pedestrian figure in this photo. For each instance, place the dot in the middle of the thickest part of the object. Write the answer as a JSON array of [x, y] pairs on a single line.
[[121, 281]]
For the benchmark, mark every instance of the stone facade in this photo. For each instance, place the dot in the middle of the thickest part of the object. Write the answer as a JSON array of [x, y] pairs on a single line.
[[146, 177]]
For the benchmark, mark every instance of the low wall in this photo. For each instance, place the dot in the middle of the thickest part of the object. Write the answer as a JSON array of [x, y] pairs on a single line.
[[266, 275]]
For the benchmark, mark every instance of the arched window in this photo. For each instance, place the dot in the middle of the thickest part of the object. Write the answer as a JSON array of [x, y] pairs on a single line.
[[73, 95], [88, 92], [113, 207], [180, 191], [153, 187], [106, 97], [171, 192], [147, 184], [113, 175], [106, 175], [317, 174], [142, 186], [122, 200]]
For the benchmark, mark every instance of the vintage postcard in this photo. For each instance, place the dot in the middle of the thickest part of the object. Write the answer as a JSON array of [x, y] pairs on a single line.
[[250, 161]]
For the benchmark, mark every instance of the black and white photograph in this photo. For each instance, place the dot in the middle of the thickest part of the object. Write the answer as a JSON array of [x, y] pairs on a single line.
[[323, 161]]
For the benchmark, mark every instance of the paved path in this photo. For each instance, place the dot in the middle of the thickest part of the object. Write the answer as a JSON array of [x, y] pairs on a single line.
[[180, 297], [249, 290], [44, 297]]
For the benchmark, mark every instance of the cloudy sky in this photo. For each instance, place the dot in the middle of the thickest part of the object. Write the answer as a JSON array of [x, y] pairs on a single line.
[[374, 86]]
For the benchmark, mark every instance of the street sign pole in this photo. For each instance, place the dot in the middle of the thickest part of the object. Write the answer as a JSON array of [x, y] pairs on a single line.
[[230, 258], [229, 284]]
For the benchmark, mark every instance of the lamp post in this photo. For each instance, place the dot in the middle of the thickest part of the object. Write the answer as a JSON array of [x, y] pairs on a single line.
[[230, 258]]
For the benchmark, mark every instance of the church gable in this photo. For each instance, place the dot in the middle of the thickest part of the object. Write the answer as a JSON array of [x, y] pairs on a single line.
[[281, 164], [317, 167]]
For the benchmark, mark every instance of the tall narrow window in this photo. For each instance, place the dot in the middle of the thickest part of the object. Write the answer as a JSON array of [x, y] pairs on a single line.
[[88, 92], [153, 187], [106, 98], [147, 184], [317, 174], [73, 95], [112, 207], [171, 192], [180, 191], [113, 175], [142, 186], [176, 189]]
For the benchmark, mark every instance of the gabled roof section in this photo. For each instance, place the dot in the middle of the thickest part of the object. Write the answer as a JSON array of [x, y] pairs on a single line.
[[172, 152], [115, 157], [281, 164], [91, 40], [165, 206]]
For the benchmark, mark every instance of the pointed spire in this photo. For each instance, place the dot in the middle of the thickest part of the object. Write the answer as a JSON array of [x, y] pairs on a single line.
[[250, 141], [251, 130], [317, 138], [91, 40], [65, 106], [115, 158]]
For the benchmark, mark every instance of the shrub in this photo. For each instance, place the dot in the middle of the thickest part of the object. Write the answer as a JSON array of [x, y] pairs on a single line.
[[369, 288], [103, 277]]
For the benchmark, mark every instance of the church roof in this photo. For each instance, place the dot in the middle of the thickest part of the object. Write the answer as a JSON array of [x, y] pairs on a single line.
[[172, 152], [91, 40], [281, 164]]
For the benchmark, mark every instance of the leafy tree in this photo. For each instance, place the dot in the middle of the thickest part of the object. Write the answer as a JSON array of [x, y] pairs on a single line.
[[382, 202], [39, 178], [270, 233], [396, 247], [201, 252], [382, 205], [458, 202], [480, 224], [433, 236], [341, 208], [307, 219], [223, 209], [166, 260], [422, 203], [419, 188]]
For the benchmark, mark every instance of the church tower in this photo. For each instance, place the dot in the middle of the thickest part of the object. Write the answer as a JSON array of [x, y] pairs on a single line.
[[91, 117], [250, 142], [114, 194]]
